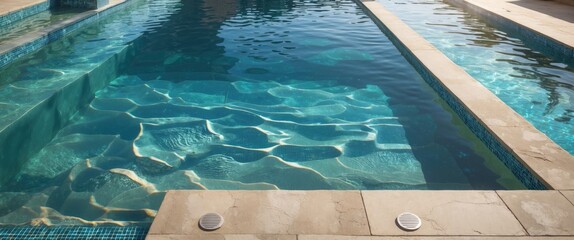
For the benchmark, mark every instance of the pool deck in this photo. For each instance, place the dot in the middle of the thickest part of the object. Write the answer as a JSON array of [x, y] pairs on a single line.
[[370, 215], [366, 214]]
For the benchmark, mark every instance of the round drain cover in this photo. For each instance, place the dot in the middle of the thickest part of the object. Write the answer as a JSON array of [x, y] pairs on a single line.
[[409, 221], [210, 221]]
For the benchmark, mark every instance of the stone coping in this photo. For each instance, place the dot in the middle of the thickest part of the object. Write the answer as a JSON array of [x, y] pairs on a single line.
[[12, 11], [11, 6], [279, 214], [13, 49], [549, 24], [539, 154]]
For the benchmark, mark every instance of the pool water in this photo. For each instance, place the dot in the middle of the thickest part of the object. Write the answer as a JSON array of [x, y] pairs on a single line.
[[36, 22], [538, 87], [296, 95]]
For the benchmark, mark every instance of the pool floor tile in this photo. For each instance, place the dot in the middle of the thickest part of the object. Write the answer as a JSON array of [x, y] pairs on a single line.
[[264, 212], [541, 212], [442, 213]]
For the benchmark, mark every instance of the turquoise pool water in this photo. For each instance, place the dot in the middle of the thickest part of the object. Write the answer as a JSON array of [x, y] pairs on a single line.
[[239, 95], [536, 86]]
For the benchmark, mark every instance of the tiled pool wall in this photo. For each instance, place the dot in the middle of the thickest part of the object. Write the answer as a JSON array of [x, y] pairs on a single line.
[[86, 4], [475, 125], [75, 232], [36, 128], [23, 49], [18, 15], [57, 109], [540, 42]]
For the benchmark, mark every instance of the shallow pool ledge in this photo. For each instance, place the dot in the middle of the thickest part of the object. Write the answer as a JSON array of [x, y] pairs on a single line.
[[14, 49], [363, 214], [503, 130]]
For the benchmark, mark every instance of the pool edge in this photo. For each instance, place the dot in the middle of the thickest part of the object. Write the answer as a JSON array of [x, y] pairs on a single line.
[[561, 46], [546, 160], [13, 49]]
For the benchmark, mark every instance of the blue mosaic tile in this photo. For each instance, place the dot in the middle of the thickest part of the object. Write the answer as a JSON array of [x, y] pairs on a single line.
[[26, 48], [87, 4], [517, 168], [74, 232], [13, 17]]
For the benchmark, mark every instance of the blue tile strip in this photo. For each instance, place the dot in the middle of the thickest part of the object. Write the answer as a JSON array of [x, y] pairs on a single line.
[[549, 46], [15, 16], [517, 168], [26, 48], [86, 4], [74, 232]]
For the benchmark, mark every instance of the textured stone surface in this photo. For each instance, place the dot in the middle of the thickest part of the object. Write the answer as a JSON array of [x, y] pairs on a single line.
[[333, 237], [222, 237], [441, 212], [569, 195], [264, 212], [541, 212]]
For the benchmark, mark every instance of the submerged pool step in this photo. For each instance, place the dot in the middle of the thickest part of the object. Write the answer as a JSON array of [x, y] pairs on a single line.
[[14, 49], [33, 125]]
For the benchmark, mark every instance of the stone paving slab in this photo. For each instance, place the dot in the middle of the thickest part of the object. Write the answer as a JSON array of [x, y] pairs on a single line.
[[264, 212], [332, 237], [541, 212], [222, 237], [569, 195], [442, 213]]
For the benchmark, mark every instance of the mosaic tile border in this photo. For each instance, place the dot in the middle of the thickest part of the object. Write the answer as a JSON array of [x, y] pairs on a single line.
[[15, 16], [504, 154], [543, 43], [23, 49], [86, 4], [74, 232]]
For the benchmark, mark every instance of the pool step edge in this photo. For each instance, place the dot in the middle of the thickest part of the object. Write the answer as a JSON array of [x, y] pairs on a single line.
[[17, 48], [36, 127]]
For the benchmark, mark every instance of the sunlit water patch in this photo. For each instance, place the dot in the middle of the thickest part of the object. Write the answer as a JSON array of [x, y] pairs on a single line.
[[536, 86]]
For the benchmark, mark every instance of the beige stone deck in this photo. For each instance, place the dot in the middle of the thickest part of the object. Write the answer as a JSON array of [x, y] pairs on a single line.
[[553, 19], [370, 215]]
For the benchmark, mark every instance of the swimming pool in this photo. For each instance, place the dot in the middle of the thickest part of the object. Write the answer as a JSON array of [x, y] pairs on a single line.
[[538, 87], [239, 95]]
